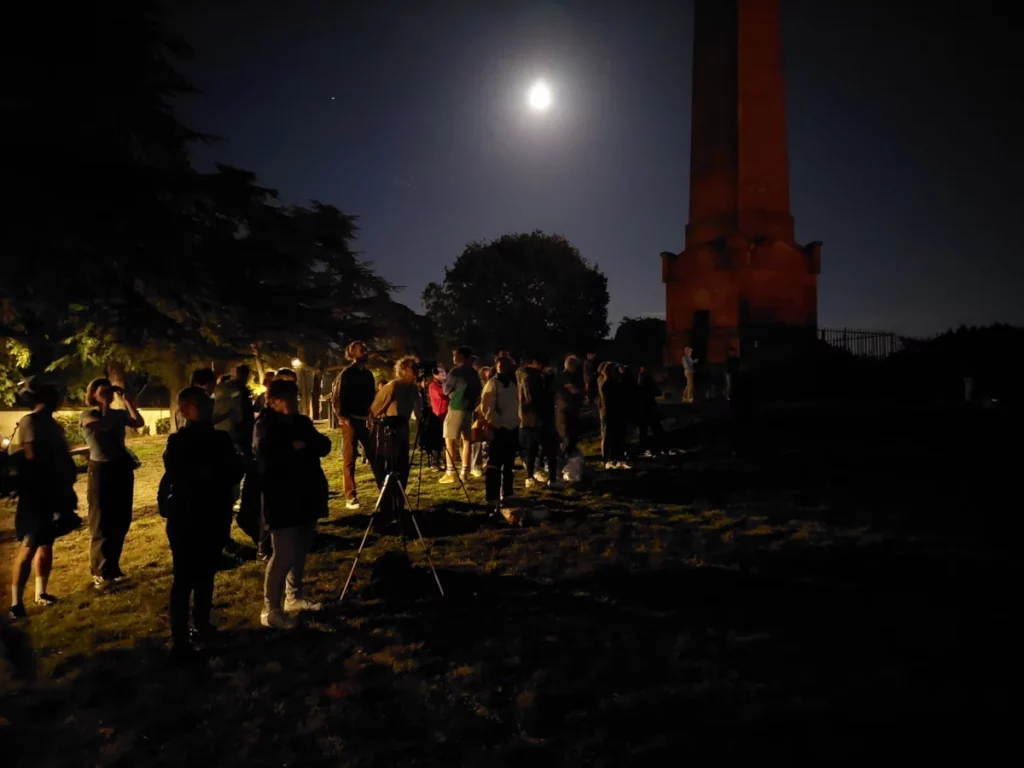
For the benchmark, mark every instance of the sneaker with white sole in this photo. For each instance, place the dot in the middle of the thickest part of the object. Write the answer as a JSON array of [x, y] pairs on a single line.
[[278, 620], [100, 583], [610, 465], [301, 604], [448, 478], [352, 504], [540, 476], [46, 599], [625, 465], [530, 482], [477, 473]]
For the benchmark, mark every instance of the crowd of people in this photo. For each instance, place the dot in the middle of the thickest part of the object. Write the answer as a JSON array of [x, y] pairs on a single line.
[[260, 458]]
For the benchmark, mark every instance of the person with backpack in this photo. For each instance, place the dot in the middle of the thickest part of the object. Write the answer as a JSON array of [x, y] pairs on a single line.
[[45, 494], [463, 388], [288, 450], [202, 465]]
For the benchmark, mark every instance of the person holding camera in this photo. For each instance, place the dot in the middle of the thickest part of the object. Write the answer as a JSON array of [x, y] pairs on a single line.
[[288, 450], [395, 403], [202, 464], [351, 396], [45, 494], [111, 476]]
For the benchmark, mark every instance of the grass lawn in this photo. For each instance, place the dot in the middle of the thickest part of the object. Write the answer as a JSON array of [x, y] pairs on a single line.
[[848, 574]]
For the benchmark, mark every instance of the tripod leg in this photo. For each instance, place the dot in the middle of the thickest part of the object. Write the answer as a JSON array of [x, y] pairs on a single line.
[[423, 543], [458, 475], [366, 533]]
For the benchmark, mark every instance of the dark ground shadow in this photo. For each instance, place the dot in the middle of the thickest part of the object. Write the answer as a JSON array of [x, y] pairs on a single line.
[[848, 650]]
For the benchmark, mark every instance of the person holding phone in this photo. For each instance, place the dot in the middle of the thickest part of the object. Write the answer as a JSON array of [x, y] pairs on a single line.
[[111, 476]]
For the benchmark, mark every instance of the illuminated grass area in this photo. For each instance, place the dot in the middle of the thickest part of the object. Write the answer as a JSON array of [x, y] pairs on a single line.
[[822, 579]]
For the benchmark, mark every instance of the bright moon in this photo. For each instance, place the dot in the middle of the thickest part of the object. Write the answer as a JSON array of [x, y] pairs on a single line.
[[539, 97]]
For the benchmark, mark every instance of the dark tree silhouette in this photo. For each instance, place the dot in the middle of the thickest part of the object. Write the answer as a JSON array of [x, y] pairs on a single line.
[[640, 341], [523, 291], [123, 251]]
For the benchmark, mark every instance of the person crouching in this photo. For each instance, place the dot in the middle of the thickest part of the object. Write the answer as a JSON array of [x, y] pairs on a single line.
[[201, 466], [288, 450]]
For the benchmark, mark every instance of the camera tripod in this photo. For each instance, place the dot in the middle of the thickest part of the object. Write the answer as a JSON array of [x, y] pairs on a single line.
[[391, 479], [418, 447]]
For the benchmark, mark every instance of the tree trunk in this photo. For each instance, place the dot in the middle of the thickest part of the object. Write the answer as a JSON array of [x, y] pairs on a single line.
[[177, 381], [258, 358], [115, 372], [317, 378]]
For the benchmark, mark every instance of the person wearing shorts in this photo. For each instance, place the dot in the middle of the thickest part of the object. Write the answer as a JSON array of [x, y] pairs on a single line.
[[463, 388], [46, 489]]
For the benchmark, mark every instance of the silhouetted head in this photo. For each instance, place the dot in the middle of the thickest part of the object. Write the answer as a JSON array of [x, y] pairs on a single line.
[[405, 369], [283, 396], [99, 392], [204, 378], [194, 404], [356, 352], [287, 374], [462, 355]]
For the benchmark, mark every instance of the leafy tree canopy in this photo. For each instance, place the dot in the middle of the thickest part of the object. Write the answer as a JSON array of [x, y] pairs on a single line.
[[523, 291]]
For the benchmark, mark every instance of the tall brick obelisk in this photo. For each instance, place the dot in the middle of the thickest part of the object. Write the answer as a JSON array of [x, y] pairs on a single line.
[[742, 279]]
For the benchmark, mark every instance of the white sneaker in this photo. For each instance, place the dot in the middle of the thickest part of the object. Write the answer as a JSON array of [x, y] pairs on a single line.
[[298, 604], [448, 478], [352, 504], [625, 465], [540, 476], [648, 455], [610, 465], [556, 485], [278, 620], [476, 473], [530, 482]]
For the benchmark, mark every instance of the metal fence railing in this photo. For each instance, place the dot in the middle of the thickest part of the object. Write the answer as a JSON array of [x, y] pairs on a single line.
[[876, 344]]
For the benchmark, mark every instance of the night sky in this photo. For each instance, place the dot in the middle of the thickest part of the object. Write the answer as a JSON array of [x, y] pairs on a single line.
[[905, 153]]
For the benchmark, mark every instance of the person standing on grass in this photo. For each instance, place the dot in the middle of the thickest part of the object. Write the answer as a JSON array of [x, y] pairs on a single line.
[[499, 408], [477, 456], [351, 396], [111, 477], [288, 449], [536, 421], [201, 465], [433, 438], [648, 417], [612, 408], [690, 371], [463, 388], [261, 398], [569, 395], [206, 380], [590, 377], [395, 403], [46, 489]]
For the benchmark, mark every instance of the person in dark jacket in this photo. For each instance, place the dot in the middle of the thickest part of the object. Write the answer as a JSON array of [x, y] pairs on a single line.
[[351, 396], [648, 417], [569, 395], [46, 490], [537, 421], [201, 467], [288, 450], [613, 416]]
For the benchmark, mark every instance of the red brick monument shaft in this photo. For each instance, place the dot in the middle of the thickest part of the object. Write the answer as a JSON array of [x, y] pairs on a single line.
[[741, 276]]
